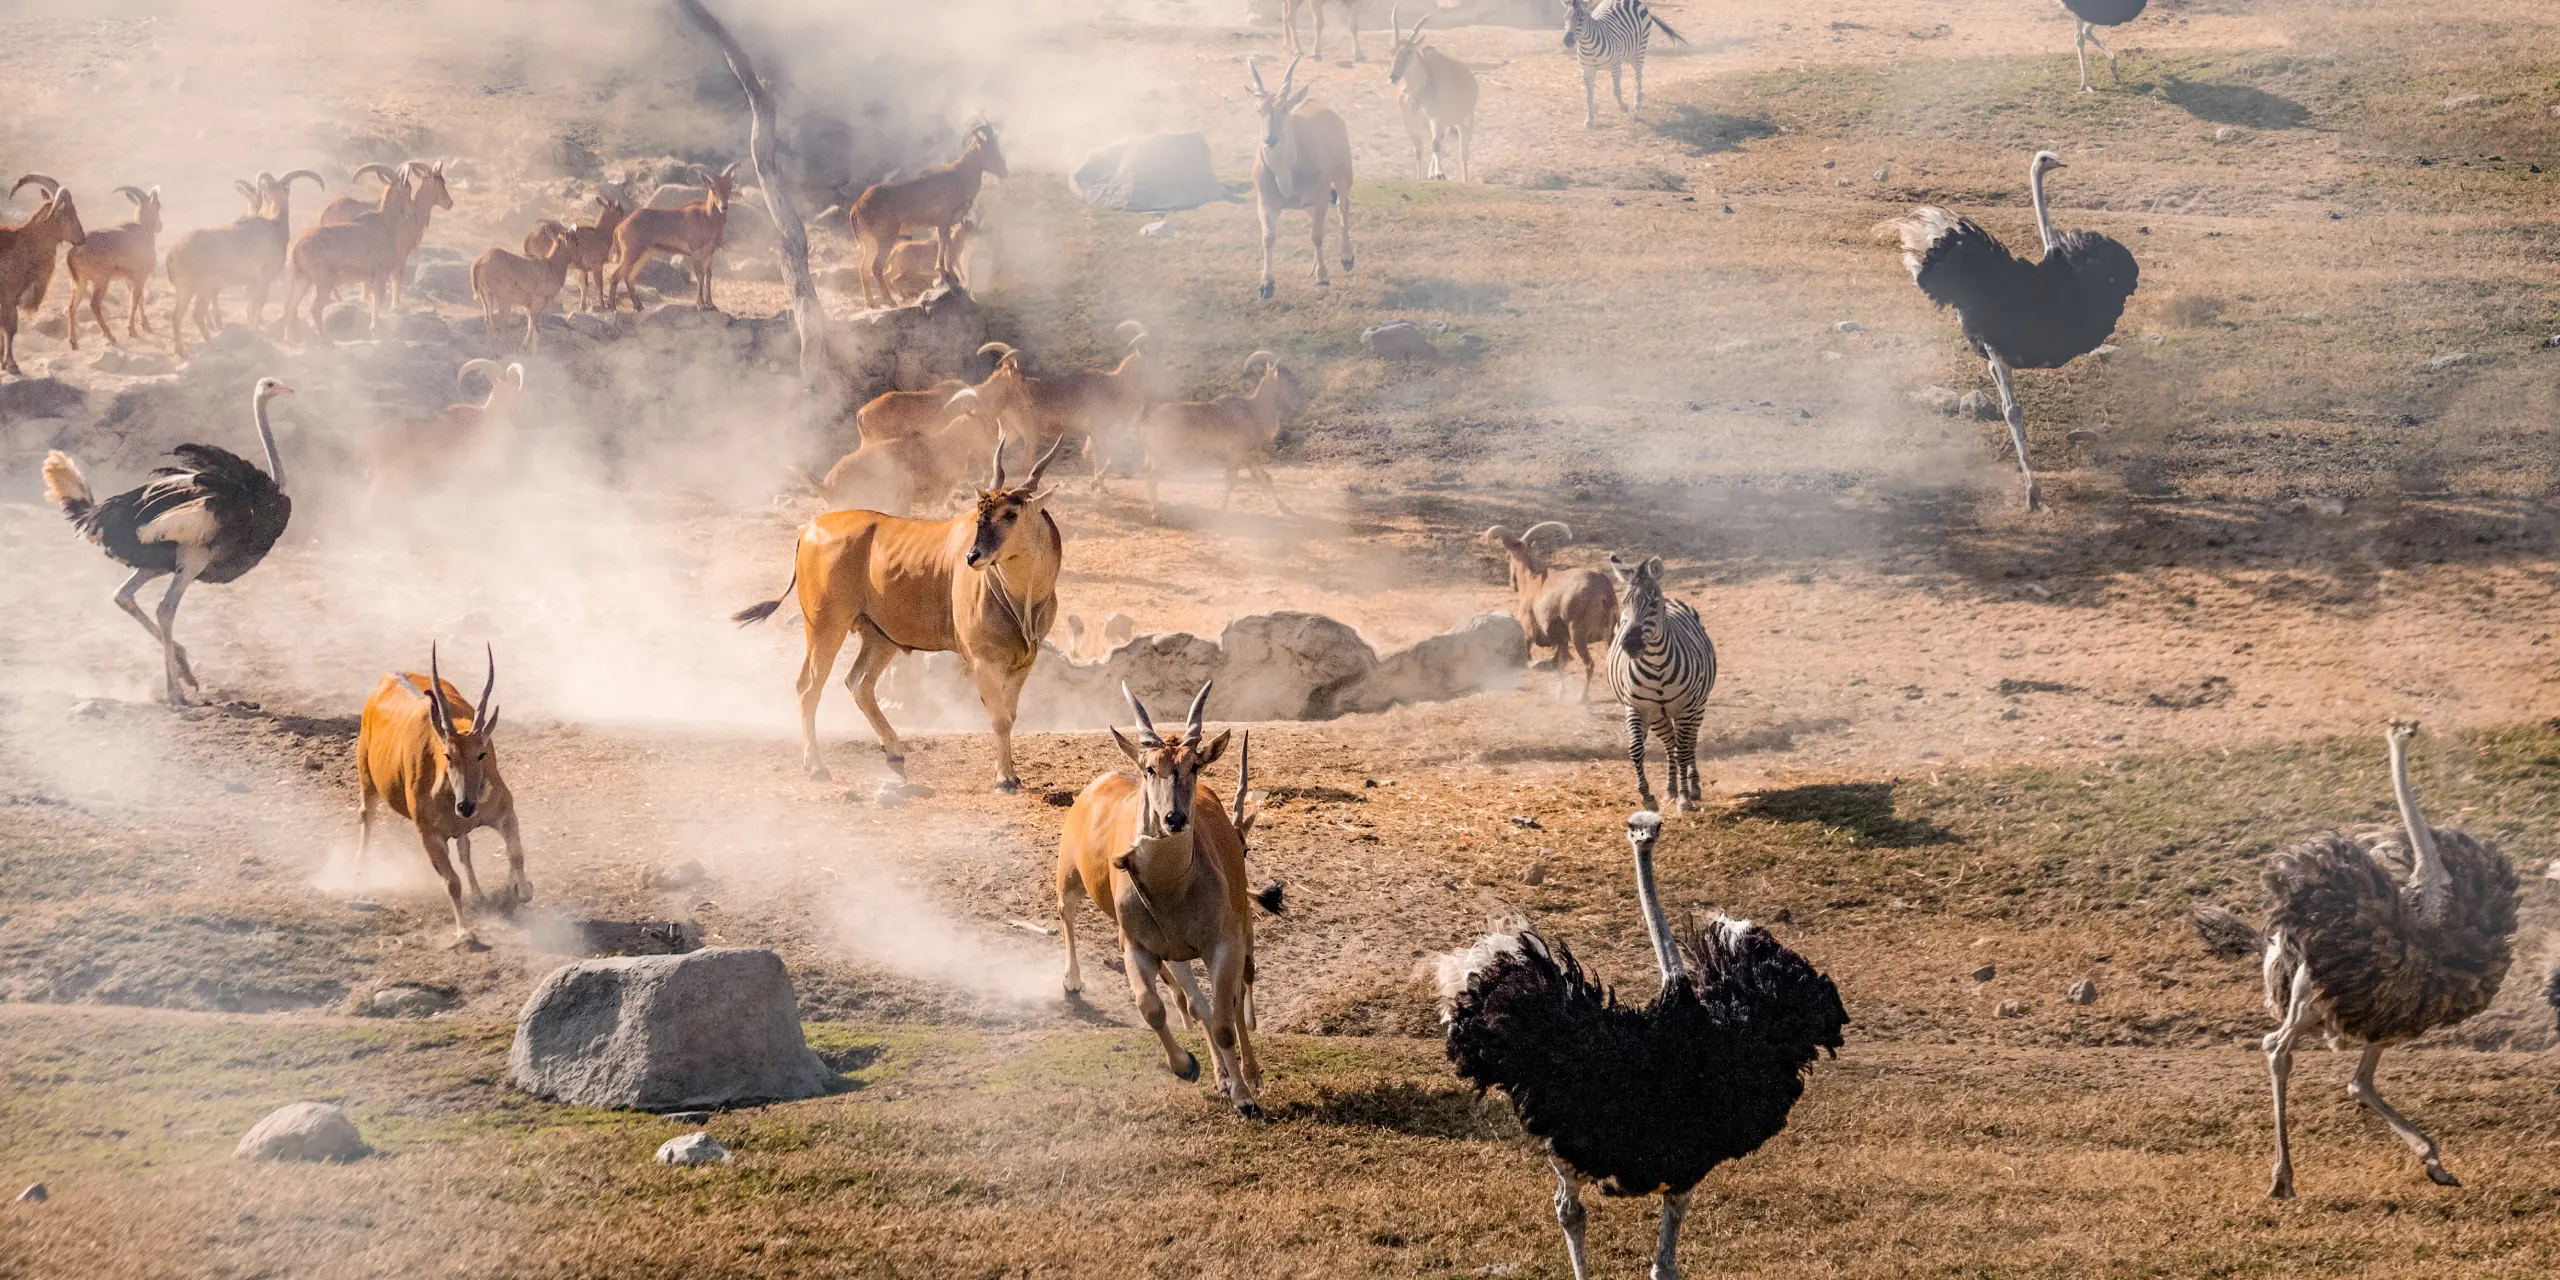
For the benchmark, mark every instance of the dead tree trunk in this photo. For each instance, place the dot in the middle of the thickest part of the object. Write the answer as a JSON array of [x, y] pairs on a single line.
[[808, 316]]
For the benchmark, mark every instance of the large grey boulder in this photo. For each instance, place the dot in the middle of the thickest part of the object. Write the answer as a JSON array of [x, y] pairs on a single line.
[[716, 1027], [1151, 173], [1289, 666], [303, 1131], [1488, 652]]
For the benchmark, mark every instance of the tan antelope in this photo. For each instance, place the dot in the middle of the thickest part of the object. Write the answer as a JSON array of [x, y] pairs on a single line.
[[1557, 608], [1289, 25], [1304, 162], [1438, 95], [937, 200], [982, 584], [427, 752], [1157, 855]]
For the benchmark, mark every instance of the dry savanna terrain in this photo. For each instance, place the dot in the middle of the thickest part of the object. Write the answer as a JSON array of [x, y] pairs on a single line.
[[2308, 489]]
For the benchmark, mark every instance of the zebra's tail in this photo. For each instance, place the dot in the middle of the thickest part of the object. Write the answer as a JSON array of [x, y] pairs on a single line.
[[1665, 28]]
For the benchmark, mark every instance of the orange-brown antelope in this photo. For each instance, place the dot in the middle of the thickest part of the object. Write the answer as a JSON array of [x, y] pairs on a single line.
[[1557, 608], [982, 584], [1438, 95], [127, 251], [694, 232], [1158, 856], [591, 247], [26, 258], [1304, 162], [898, 415], [936, 200], [427, 752]]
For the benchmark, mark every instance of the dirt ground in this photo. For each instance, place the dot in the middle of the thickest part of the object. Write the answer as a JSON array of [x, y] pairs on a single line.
[[1947, 734]]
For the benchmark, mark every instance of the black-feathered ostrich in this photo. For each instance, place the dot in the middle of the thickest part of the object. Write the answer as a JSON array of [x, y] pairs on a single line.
[[210, 519], [2354, 952], [1641, 1100], [2092, 14], [2019, 314]]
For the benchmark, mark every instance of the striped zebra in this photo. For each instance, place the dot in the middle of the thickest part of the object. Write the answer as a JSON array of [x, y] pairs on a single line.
[[1661, 666], [1611, 33]]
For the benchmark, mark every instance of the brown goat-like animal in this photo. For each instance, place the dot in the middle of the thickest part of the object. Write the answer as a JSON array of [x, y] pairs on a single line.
[[1557, 608], [428, 753], [128, 251], [915, 265], [460, 442], [1157, 855], [410, 197], [897, 415], [693, 232], [1303, 162], [26, 258], [1101, 405], [937, 200], [901, 475], [1231, 433], [504, 281], [364, 252], [591, 247], [983, 584], [250, 252]]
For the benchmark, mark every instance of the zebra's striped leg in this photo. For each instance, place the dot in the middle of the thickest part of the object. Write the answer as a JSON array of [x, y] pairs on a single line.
[[1635, 753], [1617, 85], [1639, 79], [1590, 118], [1691, 790]]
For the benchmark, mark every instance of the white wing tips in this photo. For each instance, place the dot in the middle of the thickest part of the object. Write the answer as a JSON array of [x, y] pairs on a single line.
[[63, 483], [188, 525], [1920, 231], [1452, 971]]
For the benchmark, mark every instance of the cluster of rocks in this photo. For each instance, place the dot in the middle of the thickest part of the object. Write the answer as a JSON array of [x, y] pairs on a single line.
[[1271, 666]]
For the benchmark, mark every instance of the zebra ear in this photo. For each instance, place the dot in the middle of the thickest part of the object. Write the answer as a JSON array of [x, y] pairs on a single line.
[[1618, 569]]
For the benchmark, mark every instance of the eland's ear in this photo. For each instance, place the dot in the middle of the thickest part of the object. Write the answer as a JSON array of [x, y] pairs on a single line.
[[487, 723], [1619, 569], [1127, 748], [1217, 747], [1249, 812]]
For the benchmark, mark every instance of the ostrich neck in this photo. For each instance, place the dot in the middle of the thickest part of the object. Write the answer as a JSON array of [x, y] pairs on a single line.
[[2044, 219], [2427, 872], [267, 437], [1666, 952]]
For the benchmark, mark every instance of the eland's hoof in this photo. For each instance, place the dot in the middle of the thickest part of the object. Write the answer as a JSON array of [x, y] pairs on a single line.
[[1009, 786], [818, 773], [898, 765], [1249, 1109], [1190, 1068], [1264, 291]]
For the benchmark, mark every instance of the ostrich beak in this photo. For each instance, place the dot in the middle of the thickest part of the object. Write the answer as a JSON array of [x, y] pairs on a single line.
[[281, 390]]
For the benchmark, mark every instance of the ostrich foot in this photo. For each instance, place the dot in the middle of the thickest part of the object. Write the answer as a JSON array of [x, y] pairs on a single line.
[[2282, 1187], [2437, 1175]]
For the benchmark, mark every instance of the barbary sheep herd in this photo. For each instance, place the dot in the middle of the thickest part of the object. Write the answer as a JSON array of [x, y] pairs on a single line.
[[1643, 1099]]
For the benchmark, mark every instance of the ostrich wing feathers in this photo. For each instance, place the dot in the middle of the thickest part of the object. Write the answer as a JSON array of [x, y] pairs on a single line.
[[2106, 13], [2036, 315], [2385, 973]]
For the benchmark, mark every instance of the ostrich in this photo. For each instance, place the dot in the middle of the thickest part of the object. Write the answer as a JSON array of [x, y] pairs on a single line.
[[1641, 1100], [2352, 952], [2092, 14], [209, 520], [2019, 315]]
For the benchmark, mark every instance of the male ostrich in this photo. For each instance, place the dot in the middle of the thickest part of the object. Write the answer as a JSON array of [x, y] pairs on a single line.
[[2352, 952], [2092, 14], [1641, 1100], [2021, 315], [209, 520]]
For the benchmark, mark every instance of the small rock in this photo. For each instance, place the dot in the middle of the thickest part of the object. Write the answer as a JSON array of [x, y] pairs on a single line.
[[2464, 101], [1158, 229], [2084, 992], [681, 875], [2225, 134], [1986, 973], [236, 787], [852, 796], [693, 1148], [409, 1001], [34, 1194], [1525, 823], [1848, 326], [2329, 505], [917, 790], [345, 322], [2450, 360], [1828, 163], [2011, 1009], [589, 324], [1936, 399], [303, 1131], [2104, 350], [891, 795], [1400, 340], [1880, 175], [2552, 872], [1537, 874], [1978, 406], [91, 708], [2153, 339], [685, 1117]]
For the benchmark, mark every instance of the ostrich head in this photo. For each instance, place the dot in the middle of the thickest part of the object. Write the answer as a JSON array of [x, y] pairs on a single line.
[[270, 388], [2044, 163], [1168, 772]]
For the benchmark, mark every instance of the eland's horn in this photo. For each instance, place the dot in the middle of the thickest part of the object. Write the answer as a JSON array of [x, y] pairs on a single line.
[[481, 712], [435, 690], [1146, 727], [1041, 468], [1199, 703], [996, 481], [1253, 64]]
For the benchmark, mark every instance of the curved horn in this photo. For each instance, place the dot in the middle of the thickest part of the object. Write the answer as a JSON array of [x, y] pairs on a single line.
[[242, 186], [515, 372], [1289, 78], [1129, 331], [480, 713], [1000, 350], [702, 171], [418, 167], [1146, 728], [51, 187], [137, 195], [996, 482], [1418, 25], [316, 180], [1494, 534], [1272, 356], [1199, 703], [1244, 773], [435, 692], [1041, 467], [1394, 26], [484, 365], [1253, 63], [1531, 535], [388, 174]]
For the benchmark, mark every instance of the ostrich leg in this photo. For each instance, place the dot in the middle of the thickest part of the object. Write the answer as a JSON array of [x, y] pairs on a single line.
[[125, 601], [1570, 1215], [2112, 74], [2017, 419], [2081, 44], [2361, 1089], [1666, 1256], [2279, 1047], [190, 563]]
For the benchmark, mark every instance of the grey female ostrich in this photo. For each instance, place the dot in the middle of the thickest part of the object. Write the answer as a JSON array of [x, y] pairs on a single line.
[[2354, 953], [211, 519], [2092, 14], [1641, 1100], [2019, 314]]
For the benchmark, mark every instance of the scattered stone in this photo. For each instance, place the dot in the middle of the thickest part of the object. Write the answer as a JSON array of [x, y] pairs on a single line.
[[917, 790], [1536, 874], [34, 1194], [303, 1131], [718, 1027], [1881, 174], [681, 875], [891, 795], [2153, 339], [41, 398], [685, 1117], [1986, 973], [1848, 326], [130, 363], [1979, 406], [91, 708], [1936, 400], [1158, 229], [410, 1001], [2450, 360], [2084, 992], [443, 282], [1401, 340], [2011, 1009], [693, 1148], [2105, 349], [345, 322], [2225, 134], [1151, 173], [2465, 101], [2330, 505], [1525, 822]]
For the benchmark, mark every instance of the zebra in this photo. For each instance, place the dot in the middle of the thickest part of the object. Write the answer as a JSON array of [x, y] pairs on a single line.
[[1611, 33], [1662, 666]]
